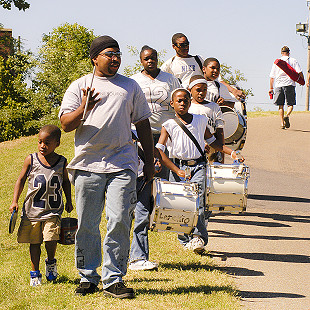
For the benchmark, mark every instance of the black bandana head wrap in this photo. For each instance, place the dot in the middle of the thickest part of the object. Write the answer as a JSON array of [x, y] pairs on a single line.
[[100, 44]]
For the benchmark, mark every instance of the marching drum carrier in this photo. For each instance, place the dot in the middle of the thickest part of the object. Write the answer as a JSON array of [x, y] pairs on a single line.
[[235, 128], [175, 206], [227, 187]]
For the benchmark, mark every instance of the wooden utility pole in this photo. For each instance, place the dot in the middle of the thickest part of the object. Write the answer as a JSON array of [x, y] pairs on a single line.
[[308, 61]]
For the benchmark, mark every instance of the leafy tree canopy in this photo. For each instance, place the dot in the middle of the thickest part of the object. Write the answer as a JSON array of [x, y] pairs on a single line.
[[234, 78], [20, 4], [21, 109], [63, 58]]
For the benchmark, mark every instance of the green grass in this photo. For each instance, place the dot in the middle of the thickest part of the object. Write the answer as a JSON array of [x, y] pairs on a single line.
[[184, 280], [260, 113]]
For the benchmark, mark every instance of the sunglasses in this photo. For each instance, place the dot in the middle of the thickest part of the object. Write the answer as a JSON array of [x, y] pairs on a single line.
[[110, 54], [182, 44]]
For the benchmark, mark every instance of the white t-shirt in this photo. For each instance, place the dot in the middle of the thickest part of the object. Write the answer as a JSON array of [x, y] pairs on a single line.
[[158, 94], [212, 111], [213, 92], [181, 146], [182, 68], [103, 143], [281, 78]]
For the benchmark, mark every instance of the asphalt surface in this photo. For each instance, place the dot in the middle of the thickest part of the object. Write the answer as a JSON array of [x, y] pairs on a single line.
[[267, 249]]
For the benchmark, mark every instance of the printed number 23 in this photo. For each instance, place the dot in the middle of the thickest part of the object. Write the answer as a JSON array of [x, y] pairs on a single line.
[[53, 200]]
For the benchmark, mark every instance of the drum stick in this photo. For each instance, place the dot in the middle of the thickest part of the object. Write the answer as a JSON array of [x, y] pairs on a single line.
[[88, 96]]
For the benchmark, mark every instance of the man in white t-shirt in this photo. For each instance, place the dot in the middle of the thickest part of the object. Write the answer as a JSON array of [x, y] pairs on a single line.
[[183, 65], [105, 165], [284, 90]]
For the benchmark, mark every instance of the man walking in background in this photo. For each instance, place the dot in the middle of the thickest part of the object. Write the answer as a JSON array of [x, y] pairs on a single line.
[[284, 86]]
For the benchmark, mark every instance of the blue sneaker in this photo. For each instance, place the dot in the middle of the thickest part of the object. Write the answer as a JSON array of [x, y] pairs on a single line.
[[51, 269], [35, 278]]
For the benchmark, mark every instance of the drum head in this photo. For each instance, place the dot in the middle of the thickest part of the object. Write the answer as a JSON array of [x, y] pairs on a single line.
[[231, 121]]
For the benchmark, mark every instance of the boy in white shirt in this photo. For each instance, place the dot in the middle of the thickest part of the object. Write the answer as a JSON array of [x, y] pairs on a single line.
[[198, 88], [186, 154], [217, 92]]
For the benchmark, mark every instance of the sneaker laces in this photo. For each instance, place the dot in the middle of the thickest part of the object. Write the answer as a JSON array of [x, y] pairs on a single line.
[[51, 267]]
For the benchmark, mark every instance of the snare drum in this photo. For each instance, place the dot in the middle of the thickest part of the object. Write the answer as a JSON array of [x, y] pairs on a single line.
[[175, 206], [227, 187], [234, 129]]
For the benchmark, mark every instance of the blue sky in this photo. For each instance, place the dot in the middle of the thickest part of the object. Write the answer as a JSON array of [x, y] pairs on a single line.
[[246, 35]]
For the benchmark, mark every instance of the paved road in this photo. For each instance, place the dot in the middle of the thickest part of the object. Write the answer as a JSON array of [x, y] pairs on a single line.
[[267, 250]]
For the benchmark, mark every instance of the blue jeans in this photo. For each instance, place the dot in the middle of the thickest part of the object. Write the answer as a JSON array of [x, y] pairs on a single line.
[[118, 193], [198, 175], [140, 243]]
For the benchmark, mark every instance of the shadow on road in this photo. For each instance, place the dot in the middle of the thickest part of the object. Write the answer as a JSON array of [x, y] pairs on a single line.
[[226, 234], [273, 216], [249, 294], [240, 271], [245, 222], [287, 258], [299, 130], [278, 198]]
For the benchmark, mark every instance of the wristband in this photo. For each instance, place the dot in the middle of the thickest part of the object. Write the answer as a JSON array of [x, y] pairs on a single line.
[[236, 152], [160, 147]]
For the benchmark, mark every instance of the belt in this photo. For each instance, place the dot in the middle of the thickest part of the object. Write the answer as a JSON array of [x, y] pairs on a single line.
[[189, 162]]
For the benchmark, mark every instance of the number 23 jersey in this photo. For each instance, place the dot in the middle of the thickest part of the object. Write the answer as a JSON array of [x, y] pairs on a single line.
[[44, 195]]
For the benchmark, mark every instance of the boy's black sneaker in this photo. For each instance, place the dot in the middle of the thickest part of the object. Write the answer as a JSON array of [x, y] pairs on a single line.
[[119, 290], [86, 288]]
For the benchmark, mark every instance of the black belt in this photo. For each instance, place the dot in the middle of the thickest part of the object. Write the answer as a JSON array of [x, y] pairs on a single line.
[[189, 162]]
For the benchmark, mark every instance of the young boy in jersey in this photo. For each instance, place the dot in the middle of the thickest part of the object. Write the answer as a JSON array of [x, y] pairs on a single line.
[[185, 154], [198, 88], [217, 92], [47, 176]]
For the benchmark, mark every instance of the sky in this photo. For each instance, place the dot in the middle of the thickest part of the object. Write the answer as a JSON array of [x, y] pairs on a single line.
[[247, 35]]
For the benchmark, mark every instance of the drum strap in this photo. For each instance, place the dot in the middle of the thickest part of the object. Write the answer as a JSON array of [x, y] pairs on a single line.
[[190, 135]]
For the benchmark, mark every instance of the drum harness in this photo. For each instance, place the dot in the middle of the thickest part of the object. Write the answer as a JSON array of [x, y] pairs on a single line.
[[190, 162]]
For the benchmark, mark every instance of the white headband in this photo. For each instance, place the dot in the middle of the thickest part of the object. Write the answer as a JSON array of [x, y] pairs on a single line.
[[199, 81], [180, 88]]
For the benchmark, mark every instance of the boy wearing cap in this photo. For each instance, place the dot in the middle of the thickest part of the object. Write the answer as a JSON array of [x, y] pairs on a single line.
[[284, 87], [105, 165]]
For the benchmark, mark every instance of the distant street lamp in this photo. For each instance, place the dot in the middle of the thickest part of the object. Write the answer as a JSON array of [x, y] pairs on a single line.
[[301, 29]]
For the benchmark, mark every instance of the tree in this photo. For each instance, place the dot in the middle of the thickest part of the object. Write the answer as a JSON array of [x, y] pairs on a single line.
[[20, 4], [63, 58], [234, 77], [21, 110]]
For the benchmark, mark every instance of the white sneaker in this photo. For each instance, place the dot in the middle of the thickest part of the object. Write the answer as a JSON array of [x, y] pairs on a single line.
[[196, 245], [35, 278], [51, 269], [142, 264]]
